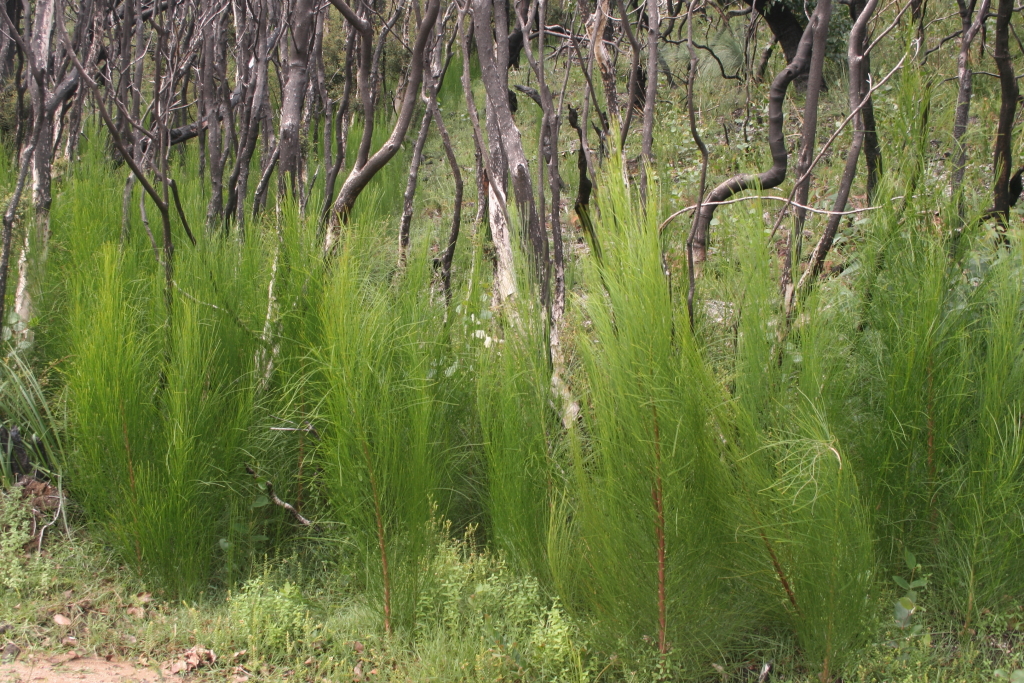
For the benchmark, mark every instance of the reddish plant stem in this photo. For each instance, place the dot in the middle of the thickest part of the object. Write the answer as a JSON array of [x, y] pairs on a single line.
[[932, 511], [657, 495], [778, 571], [302, 458], [131, 478], [380, 540]]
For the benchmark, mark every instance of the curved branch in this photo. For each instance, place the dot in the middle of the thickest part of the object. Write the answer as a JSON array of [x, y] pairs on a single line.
[[776, 142], [361, 175]]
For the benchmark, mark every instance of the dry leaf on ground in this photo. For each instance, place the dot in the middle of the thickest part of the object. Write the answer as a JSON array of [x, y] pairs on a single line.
[[192, 659]]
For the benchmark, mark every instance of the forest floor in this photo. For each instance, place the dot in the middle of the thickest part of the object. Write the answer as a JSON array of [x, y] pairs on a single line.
[[79, 616]]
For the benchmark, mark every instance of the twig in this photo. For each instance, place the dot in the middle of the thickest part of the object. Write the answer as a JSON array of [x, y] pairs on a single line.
[[56, 516], [280, 503], [828, 144], [777, 198]]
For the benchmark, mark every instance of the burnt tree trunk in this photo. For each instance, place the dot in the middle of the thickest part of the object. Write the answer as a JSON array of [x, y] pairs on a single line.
[[774, 176], [857, 61], [1007, 111], [971, 24]]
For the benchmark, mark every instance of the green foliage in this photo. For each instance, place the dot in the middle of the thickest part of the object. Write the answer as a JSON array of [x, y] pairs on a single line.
[[274, 618], [24, 571], [653, 488], [474, 596], [382, 470], [519, 430]]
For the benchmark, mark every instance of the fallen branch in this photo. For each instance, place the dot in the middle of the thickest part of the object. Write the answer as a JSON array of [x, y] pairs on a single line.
[[280, 503]]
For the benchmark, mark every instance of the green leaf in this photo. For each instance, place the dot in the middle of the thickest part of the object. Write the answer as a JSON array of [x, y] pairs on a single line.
[[901, 582], [225, 544], [903, 610], [919, 583], [258, 537], [1017, 676], [910, 559], [261, 501]]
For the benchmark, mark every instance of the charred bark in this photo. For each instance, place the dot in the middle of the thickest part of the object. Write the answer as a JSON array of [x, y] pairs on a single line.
[[366, 166], [1003, 159], [857, 61], [776, 143], [302, 19], [492, 53], [971, 24], [822, 17]]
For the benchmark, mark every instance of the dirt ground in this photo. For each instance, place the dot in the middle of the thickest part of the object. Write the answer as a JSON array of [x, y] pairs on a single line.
[[65, 669]]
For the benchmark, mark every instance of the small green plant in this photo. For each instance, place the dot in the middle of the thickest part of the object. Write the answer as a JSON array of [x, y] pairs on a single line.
[[907, 605], [474, 596], [14, 534], [274, 618], [20, 571]]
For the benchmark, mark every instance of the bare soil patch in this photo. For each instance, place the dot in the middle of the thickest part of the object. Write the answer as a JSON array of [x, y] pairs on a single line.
[[62, 669]]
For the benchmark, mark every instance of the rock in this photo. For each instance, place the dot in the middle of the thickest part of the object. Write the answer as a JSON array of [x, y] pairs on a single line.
[[10, 653], [65, 658]]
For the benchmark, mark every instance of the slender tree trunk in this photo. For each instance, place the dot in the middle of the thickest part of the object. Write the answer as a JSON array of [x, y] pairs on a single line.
[[8, 226], [857, 61], [823, 15], [604, 62], [1009, 92], [965, 85], [214, 71], [362, 173], [652, 92], [302, 19], [702, 218], [634, 70], [410, 187], [774, 176], [453, 236], [492, 70]]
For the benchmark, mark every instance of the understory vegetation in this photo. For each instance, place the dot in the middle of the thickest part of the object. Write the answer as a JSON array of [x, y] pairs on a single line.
[[336, 464]]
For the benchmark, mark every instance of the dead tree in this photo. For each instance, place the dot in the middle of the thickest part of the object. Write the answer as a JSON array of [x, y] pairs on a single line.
[[51, 81], [822, 17], [366, 165], [256, 39], [971, 24], [599, 52], [301, 21], [1009, 92], [776, 143], [492, 49], [650, 97], [147, 150], [433, 78], [857, 59]]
